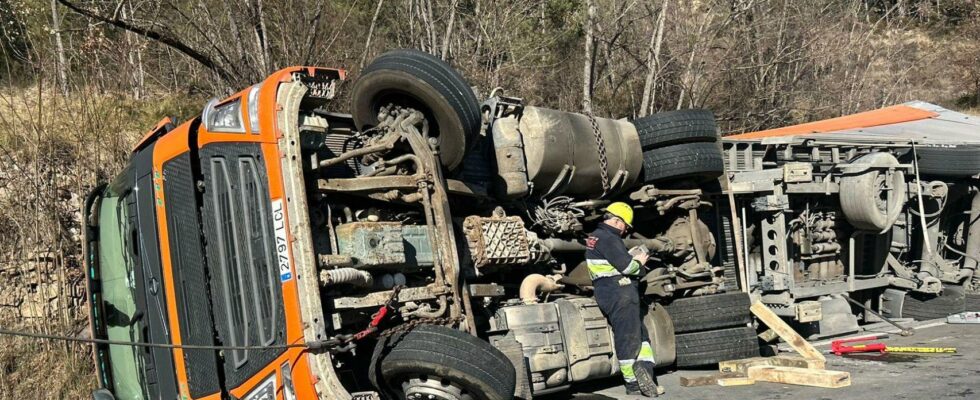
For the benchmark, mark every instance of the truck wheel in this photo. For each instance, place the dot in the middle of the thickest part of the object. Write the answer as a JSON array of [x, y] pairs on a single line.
[[955, 162], [710, 347], [676, 127], [701, 313], [698, 162], [418, 80], [922, 307], [514, 351], [662, 338], [440, 363], [865, 197]]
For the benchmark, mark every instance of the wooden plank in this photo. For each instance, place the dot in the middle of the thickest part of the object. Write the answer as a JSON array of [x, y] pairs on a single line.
[[800, 376], [742, 366], [705, 380], [768, 336], [740, 381], [786, 332]]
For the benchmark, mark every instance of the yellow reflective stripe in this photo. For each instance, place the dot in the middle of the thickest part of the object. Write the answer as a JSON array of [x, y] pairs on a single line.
[[646, 352], [601, 268], [626, 367], [633, 268]]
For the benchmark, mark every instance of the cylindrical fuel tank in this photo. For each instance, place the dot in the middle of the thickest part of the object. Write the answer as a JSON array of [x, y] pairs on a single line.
[[562, 155]]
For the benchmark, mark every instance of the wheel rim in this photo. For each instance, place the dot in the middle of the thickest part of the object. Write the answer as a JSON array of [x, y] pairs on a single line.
[[425, 387]]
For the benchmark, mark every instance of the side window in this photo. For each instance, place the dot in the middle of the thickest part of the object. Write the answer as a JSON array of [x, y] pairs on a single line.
[[247, 294]]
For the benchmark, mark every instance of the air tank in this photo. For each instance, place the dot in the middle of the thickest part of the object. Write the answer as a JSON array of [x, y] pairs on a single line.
[[561, 154]]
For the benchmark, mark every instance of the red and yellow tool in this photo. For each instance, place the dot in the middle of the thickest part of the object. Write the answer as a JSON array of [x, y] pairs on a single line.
[[900, 349], [839, 347]]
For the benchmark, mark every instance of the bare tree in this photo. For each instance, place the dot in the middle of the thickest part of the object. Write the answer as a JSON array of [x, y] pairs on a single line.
[[589, 62], [374, 23], [449, 29], [62, 66], [653, 63]]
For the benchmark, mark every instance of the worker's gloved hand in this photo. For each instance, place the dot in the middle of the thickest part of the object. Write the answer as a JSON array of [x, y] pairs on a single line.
[[640, 255]]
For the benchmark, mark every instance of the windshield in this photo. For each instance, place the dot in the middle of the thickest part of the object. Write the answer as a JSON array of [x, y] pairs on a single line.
[[117, 262]]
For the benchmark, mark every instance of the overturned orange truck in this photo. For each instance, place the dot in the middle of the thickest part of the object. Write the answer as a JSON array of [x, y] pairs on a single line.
[[420, 244]]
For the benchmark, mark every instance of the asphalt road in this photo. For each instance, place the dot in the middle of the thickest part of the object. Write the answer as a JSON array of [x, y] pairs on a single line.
[[874, 377]]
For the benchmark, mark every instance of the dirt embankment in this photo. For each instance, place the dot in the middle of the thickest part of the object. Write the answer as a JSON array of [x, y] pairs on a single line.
[[53, 150]]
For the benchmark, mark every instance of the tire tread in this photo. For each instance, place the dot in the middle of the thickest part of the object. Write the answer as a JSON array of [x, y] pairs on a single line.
[[695, 161], [701, 313], [676, 127], [711, 347]]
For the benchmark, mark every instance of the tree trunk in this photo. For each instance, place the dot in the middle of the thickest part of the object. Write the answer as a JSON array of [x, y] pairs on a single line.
[[589, 57], [131, 51], [430, 24], [689, 75], [374, 22], [62, 63], [653, 64], [261, 42], [449, 30]]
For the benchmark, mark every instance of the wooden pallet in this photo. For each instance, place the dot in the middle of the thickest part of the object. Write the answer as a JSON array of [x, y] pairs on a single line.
[[742, 366], [800, 376], [806, 369]]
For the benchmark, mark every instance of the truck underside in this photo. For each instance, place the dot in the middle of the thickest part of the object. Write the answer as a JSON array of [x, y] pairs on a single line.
[[436, 243]]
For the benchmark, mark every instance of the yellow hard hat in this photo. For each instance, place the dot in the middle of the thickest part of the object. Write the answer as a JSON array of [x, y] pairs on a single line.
[[621, 210]]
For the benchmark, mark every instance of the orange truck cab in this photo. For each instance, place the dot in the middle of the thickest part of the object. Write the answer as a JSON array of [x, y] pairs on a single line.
[[172, 263]]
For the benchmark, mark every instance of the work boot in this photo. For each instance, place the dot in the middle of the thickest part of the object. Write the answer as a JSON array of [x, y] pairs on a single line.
[[646, 379], [632, 389]]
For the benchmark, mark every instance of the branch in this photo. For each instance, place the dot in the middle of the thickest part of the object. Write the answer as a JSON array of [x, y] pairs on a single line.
[[163, 37]]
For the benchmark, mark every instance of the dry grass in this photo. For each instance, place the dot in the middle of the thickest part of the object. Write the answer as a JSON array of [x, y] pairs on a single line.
[[53, 150], [34, 370]]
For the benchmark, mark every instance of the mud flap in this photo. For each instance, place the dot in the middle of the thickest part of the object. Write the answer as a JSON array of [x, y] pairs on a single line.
[[661, 330]]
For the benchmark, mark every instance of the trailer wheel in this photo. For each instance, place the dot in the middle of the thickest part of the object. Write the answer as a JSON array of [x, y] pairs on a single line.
[[676, 127], [701, 313], [419, 80], [697, 162], [922, 307], [711, 347], [440, 363], [872, 199]]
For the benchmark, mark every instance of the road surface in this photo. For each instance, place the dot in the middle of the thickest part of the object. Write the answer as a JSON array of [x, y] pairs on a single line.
[[874, 377]]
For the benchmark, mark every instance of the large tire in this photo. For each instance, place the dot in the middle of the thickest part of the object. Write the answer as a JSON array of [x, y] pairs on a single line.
[[676, 127], [418, 80], [863, 198], [702, 313], [711, 347], [955, 162], [697, 162], [926, 306], [514, 351], [444, 357]]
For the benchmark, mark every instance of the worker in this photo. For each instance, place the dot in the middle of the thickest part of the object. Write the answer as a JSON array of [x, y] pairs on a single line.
[[613, 269]]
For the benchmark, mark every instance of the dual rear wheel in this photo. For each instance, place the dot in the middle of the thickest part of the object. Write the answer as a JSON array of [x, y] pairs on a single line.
[[680, 146]]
